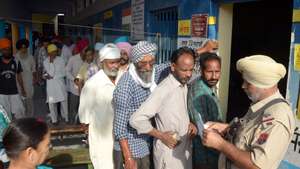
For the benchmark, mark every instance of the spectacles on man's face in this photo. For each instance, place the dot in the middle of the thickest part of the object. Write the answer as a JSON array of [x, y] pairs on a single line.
[[145, 63]]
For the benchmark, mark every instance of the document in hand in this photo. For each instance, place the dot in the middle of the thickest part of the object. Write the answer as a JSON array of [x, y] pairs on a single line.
[[200, 125]]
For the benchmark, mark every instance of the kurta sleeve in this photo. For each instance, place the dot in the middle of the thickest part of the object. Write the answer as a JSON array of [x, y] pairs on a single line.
[[85, 104], [140, 120], [69, 69], [60, 72], [33, 65], [80, 74], [19, 67]]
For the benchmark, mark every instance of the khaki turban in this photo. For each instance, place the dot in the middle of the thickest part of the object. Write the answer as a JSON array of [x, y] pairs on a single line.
[[51, 48], [260, 70]]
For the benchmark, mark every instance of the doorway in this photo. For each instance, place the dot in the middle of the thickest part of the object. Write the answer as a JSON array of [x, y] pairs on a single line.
[[259, 27]]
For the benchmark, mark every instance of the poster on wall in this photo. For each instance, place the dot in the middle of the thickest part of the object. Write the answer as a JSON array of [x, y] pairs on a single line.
[[97, 32], [126, 19], [108, 14], [297, 57], [184, 27], [199, 25], [137, 20]]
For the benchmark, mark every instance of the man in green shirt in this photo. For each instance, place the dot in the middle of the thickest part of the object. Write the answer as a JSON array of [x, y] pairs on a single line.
[[203, 106]]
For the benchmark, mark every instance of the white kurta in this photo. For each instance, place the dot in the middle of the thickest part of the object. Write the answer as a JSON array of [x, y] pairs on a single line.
[[28, 66], [56, 89], [95, 109], [72, 69], [66, 53]]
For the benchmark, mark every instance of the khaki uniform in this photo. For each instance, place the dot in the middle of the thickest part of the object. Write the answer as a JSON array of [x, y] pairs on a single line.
[[265, 131]]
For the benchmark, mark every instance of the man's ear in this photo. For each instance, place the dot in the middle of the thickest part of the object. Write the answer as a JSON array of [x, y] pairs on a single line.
[[173, 65]]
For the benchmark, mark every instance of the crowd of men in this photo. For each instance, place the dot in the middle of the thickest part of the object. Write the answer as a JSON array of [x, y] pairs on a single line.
[[139, 113]]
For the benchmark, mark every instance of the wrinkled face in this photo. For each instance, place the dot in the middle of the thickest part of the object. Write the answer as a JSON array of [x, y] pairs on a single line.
[[183, 68], [6, 53], [124, 57], [211, 73], [89, 56], [145, 68], [111, 67], [254, 93]]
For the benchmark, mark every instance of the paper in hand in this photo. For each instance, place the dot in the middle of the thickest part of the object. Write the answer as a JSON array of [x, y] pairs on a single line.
[[200, 125]]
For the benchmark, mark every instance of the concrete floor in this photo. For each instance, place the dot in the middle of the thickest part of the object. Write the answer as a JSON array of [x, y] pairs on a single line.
[[41, 110]]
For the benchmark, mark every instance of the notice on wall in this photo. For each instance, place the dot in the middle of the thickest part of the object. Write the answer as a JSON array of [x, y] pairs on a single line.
[[137, 20], [199, 25], [108, 14], [97, 32], [126, 18], [190, 42], [297, 57], [291, 159], [184, 27]]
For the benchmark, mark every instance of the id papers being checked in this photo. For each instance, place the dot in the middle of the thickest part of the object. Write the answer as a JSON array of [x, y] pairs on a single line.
[[200, 125]]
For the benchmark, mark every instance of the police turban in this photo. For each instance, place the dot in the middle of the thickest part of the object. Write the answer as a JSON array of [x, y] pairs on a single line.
[[260, 70]]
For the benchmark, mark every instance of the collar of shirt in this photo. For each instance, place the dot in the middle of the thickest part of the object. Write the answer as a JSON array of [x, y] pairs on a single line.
[[77, 56], [175, 81], [210, 90], [260, 104], [104, 78]]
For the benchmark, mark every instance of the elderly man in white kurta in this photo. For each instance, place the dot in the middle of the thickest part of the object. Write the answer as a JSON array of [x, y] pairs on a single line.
[[54, 68], [95, 108], [168, 105]]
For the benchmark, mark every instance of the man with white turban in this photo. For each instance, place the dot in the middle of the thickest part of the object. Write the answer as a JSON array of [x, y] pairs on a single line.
[[96, 110], [261, 138]]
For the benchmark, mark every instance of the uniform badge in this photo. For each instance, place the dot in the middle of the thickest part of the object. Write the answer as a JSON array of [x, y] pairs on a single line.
[[267, 119], [262, 138]]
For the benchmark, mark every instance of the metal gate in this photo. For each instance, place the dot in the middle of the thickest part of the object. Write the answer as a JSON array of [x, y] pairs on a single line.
[[164, 21]]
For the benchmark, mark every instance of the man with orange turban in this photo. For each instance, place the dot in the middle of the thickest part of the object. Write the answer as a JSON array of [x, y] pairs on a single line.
[[10, 75]]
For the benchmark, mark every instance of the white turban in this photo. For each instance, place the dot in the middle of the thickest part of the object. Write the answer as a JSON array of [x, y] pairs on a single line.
[[109, 51], [260, 70], [141, 49]]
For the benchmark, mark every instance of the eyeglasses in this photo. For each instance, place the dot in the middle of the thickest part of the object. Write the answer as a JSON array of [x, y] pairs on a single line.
[[144, 63]]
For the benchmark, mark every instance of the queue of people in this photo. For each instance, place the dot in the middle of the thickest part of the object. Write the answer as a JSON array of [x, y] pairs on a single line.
[[142, 115]]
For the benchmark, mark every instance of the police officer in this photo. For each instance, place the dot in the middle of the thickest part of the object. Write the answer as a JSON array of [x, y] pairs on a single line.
[[261, 138]]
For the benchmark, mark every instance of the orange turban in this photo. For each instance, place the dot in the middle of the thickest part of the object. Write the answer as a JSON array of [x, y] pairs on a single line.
[[5, 43]]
